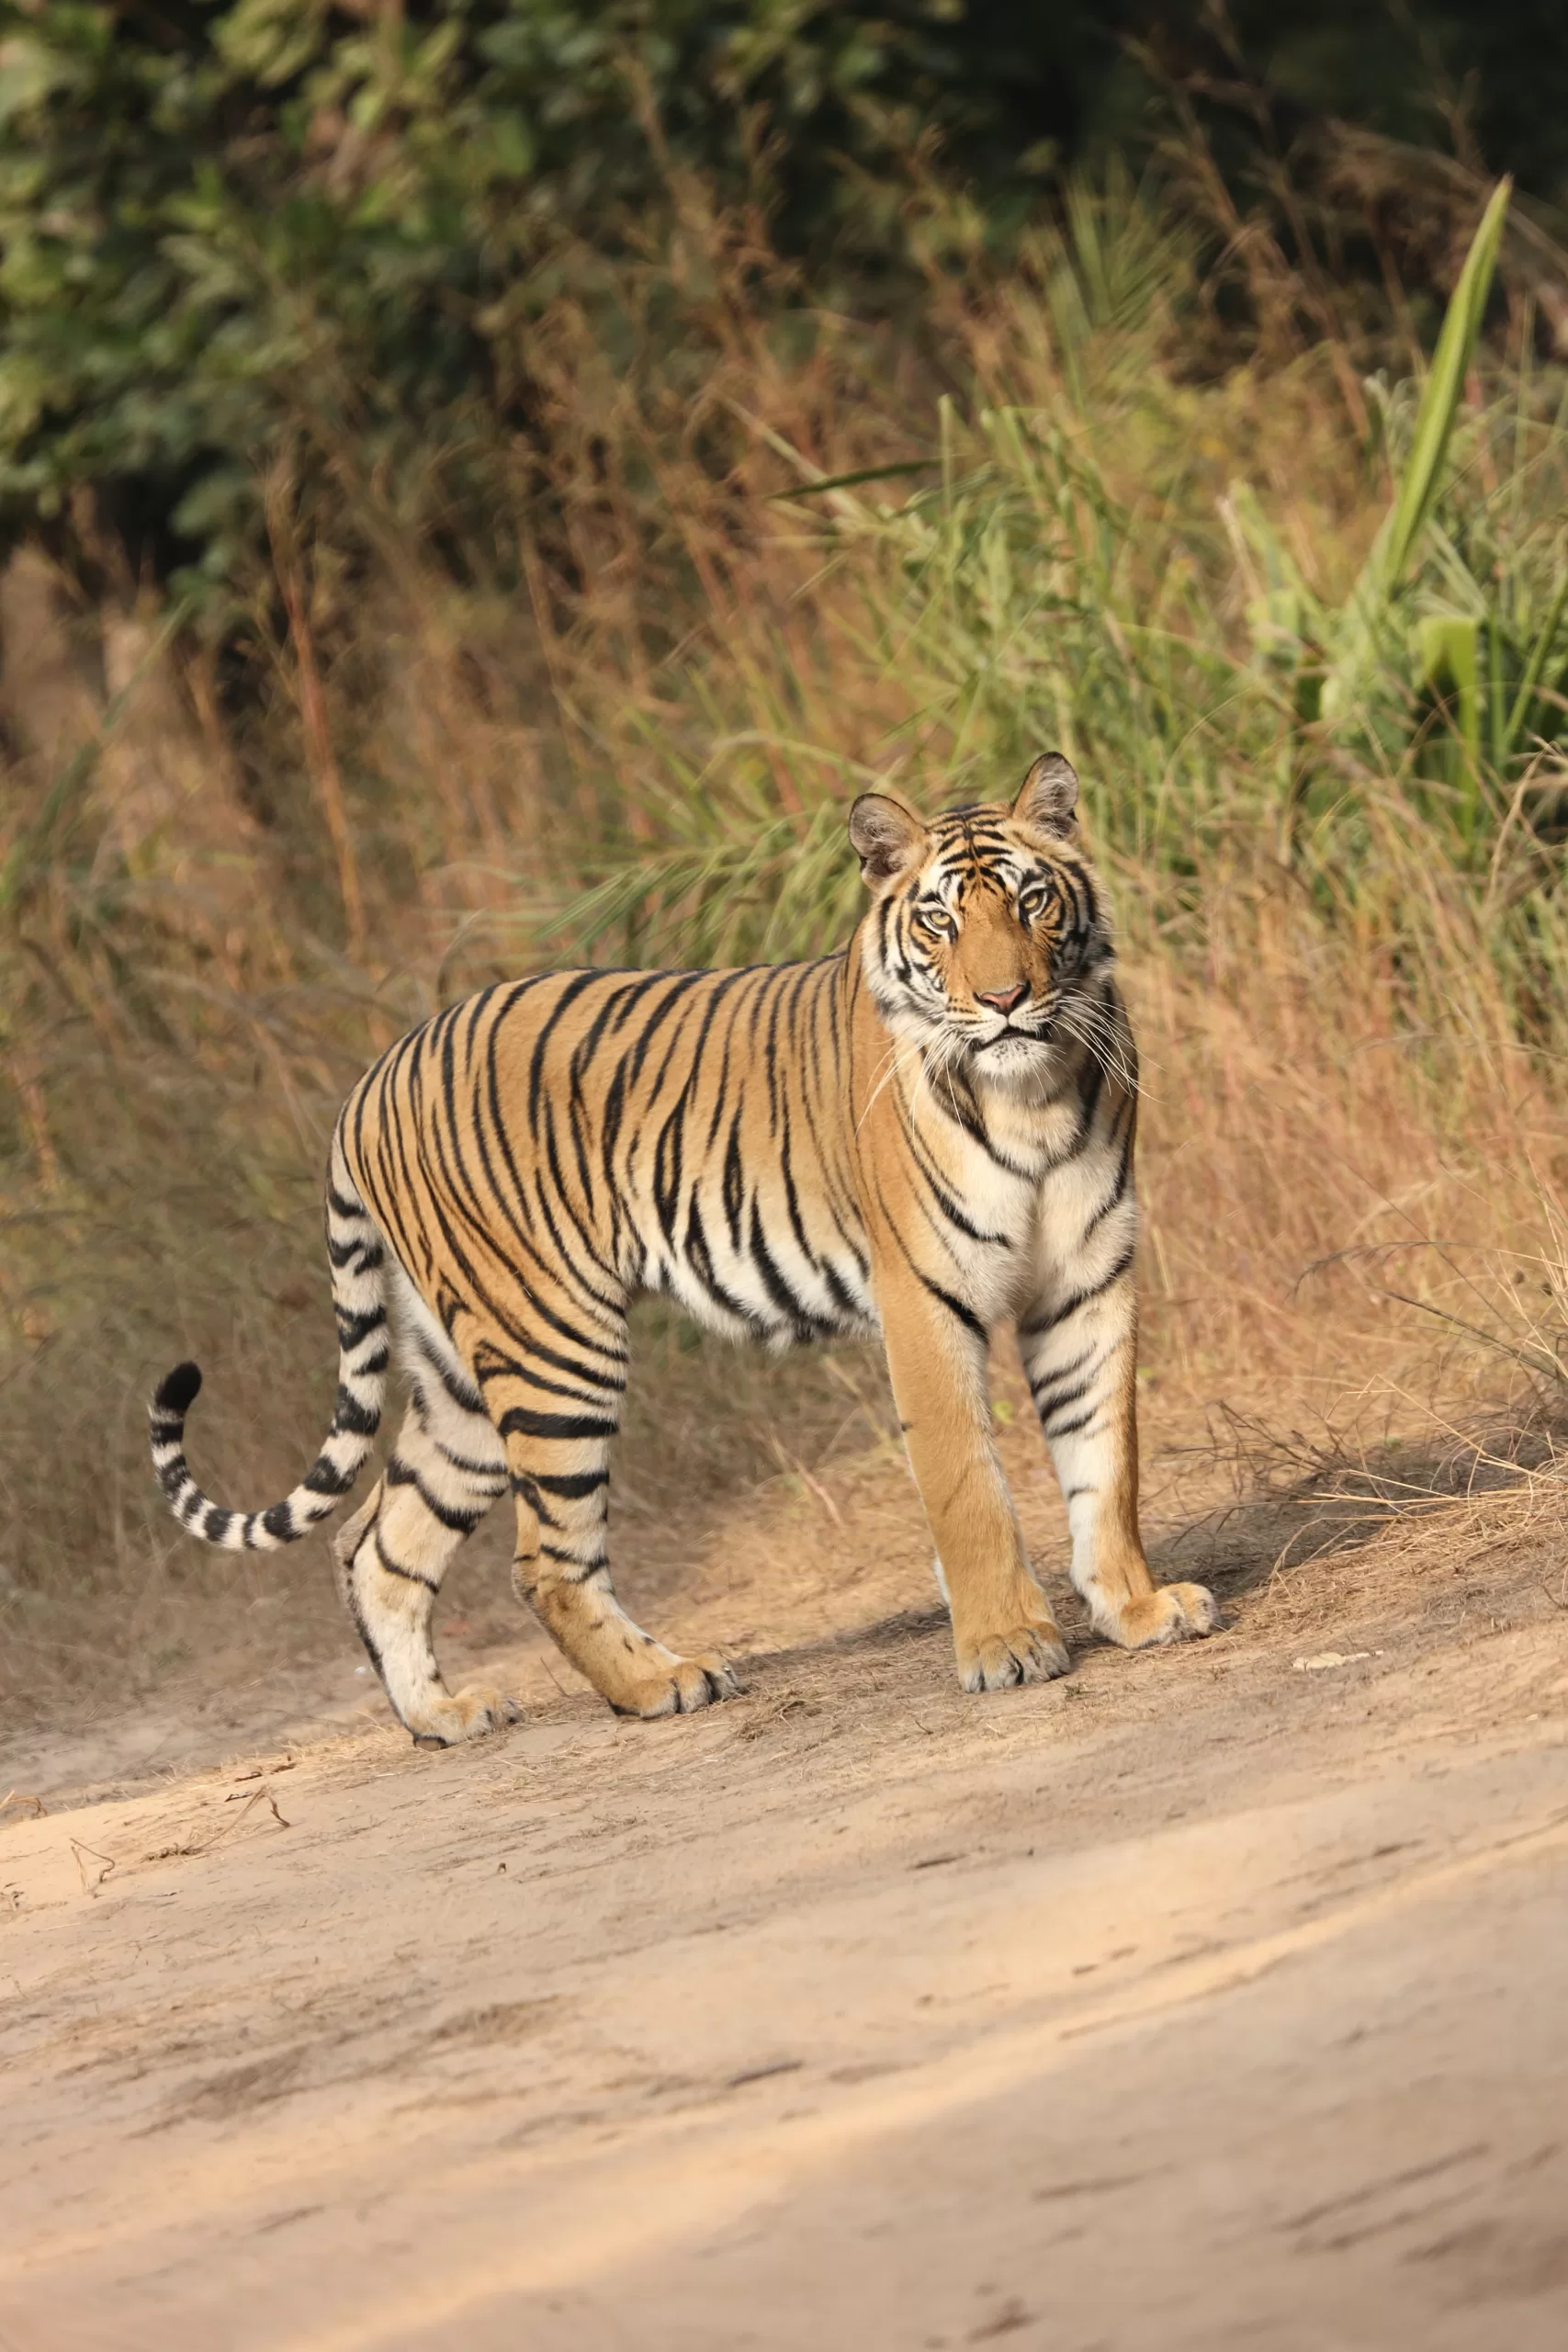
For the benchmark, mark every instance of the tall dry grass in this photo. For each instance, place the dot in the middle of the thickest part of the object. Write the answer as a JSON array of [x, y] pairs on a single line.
[[741, 571]]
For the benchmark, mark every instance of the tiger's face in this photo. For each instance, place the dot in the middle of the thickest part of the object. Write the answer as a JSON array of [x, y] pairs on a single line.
[[987, 928]]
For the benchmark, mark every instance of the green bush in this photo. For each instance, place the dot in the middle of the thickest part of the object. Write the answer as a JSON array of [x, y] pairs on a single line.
[[212, 215], [226, 226]]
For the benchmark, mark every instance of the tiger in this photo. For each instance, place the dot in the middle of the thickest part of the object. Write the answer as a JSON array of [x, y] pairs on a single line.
[[925, 1135]]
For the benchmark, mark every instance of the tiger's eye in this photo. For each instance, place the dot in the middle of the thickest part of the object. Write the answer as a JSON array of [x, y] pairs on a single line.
[[933, 916], [1032, 902]]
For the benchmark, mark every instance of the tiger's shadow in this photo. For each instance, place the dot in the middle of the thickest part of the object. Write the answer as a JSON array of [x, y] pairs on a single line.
[[1335, 1506], [1338, 1502]]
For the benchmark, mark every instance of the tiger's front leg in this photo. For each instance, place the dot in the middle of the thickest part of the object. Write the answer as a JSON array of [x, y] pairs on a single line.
[[1080, 1349], [1002, 1627]]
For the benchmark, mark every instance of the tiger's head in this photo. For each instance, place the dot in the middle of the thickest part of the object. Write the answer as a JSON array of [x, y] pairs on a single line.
[[986, 929]]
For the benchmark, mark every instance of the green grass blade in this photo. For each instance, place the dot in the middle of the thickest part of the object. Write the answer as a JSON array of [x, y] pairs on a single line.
[[1363, 622], [1441, 399], [1540, 653], [848, 481]]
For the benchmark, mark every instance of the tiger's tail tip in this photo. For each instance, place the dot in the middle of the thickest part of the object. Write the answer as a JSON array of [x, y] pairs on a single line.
[[177, 1391]]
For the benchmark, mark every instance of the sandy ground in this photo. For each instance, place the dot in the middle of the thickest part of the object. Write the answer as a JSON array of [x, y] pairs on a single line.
[[1212, 1997]]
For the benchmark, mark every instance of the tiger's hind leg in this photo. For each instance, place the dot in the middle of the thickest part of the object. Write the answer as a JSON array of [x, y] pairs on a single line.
[[444, 1474], [557, 1453]]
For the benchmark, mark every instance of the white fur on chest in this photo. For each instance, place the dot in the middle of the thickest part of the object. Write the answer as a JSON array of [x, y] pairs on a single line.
[[1044, 1213]]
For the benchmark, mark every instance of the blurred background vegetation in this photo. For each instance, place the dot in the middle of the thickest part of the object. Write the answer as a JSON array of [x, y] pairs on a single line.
[[483, 484], [227, 227]]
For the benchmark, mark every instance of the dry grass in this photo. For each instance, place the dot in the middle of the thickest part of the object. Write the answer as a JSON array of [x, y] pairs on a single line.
[[626, 723]]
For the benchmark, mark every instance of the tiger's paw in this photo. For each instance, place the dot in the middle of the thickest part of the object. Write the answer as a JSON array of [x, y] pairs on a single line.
[[668, 1685], [1034, 1652], [1172, 1613], [458, 1716]]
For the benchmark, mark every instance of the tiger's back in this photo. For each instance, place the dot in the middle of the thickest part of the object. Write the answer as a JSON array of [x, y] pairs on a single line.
[[594, 1134]]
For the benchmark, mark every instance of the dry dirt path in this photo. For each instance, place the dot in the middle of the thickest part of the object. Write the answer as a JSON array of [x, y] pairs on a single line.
[[1201, 2001]]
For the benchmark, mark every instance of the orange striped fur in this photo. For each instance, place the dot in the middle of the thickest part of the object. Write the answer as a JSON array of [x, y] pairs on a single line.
[[929, 1134]]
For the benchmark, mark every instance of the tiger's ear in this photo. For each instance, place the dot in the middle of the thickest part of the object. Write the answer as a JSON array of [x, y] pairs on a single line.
[[1048, 796], [886, 838]]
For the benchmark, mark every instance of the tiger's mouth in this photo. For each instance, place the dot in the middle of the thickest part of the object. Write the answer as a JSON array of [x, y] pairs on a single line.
[[1025, 1033], [1015, 1035]]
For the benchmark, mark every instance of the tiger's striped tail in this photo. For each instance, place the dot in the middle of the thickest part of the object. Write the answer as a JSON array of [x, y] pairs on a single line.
[[359, 1302]]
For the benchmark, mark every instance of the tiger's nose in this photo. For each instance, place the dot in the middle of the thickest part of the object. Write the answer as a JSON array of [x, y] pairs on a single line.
[[1003, 1000]]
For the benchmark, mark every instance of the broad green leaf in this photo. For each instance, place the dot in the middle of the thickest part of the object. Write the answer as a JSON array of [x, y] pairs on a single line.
[[1445, 646]]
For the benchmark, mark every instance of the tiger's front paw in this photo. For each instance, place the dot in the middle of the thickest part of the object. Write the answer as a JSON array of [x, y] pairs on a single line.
[[1172, 1613], [1030, 1652]]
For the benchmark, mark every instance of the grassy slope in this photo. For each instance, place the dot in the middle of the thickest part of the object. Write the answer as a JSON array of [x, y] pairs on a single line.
[[634, 736]]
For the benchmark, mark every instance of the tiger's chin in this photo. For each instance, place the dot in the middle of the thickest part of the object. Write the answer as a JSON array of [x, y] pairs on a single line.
[[1017, 1064]]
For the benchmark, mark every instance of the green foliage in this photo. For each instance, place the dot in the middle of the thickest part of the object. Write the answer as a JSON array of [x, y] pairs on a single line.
[[229, 227], [1448, 656], [1049, 575], [220, 221]]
